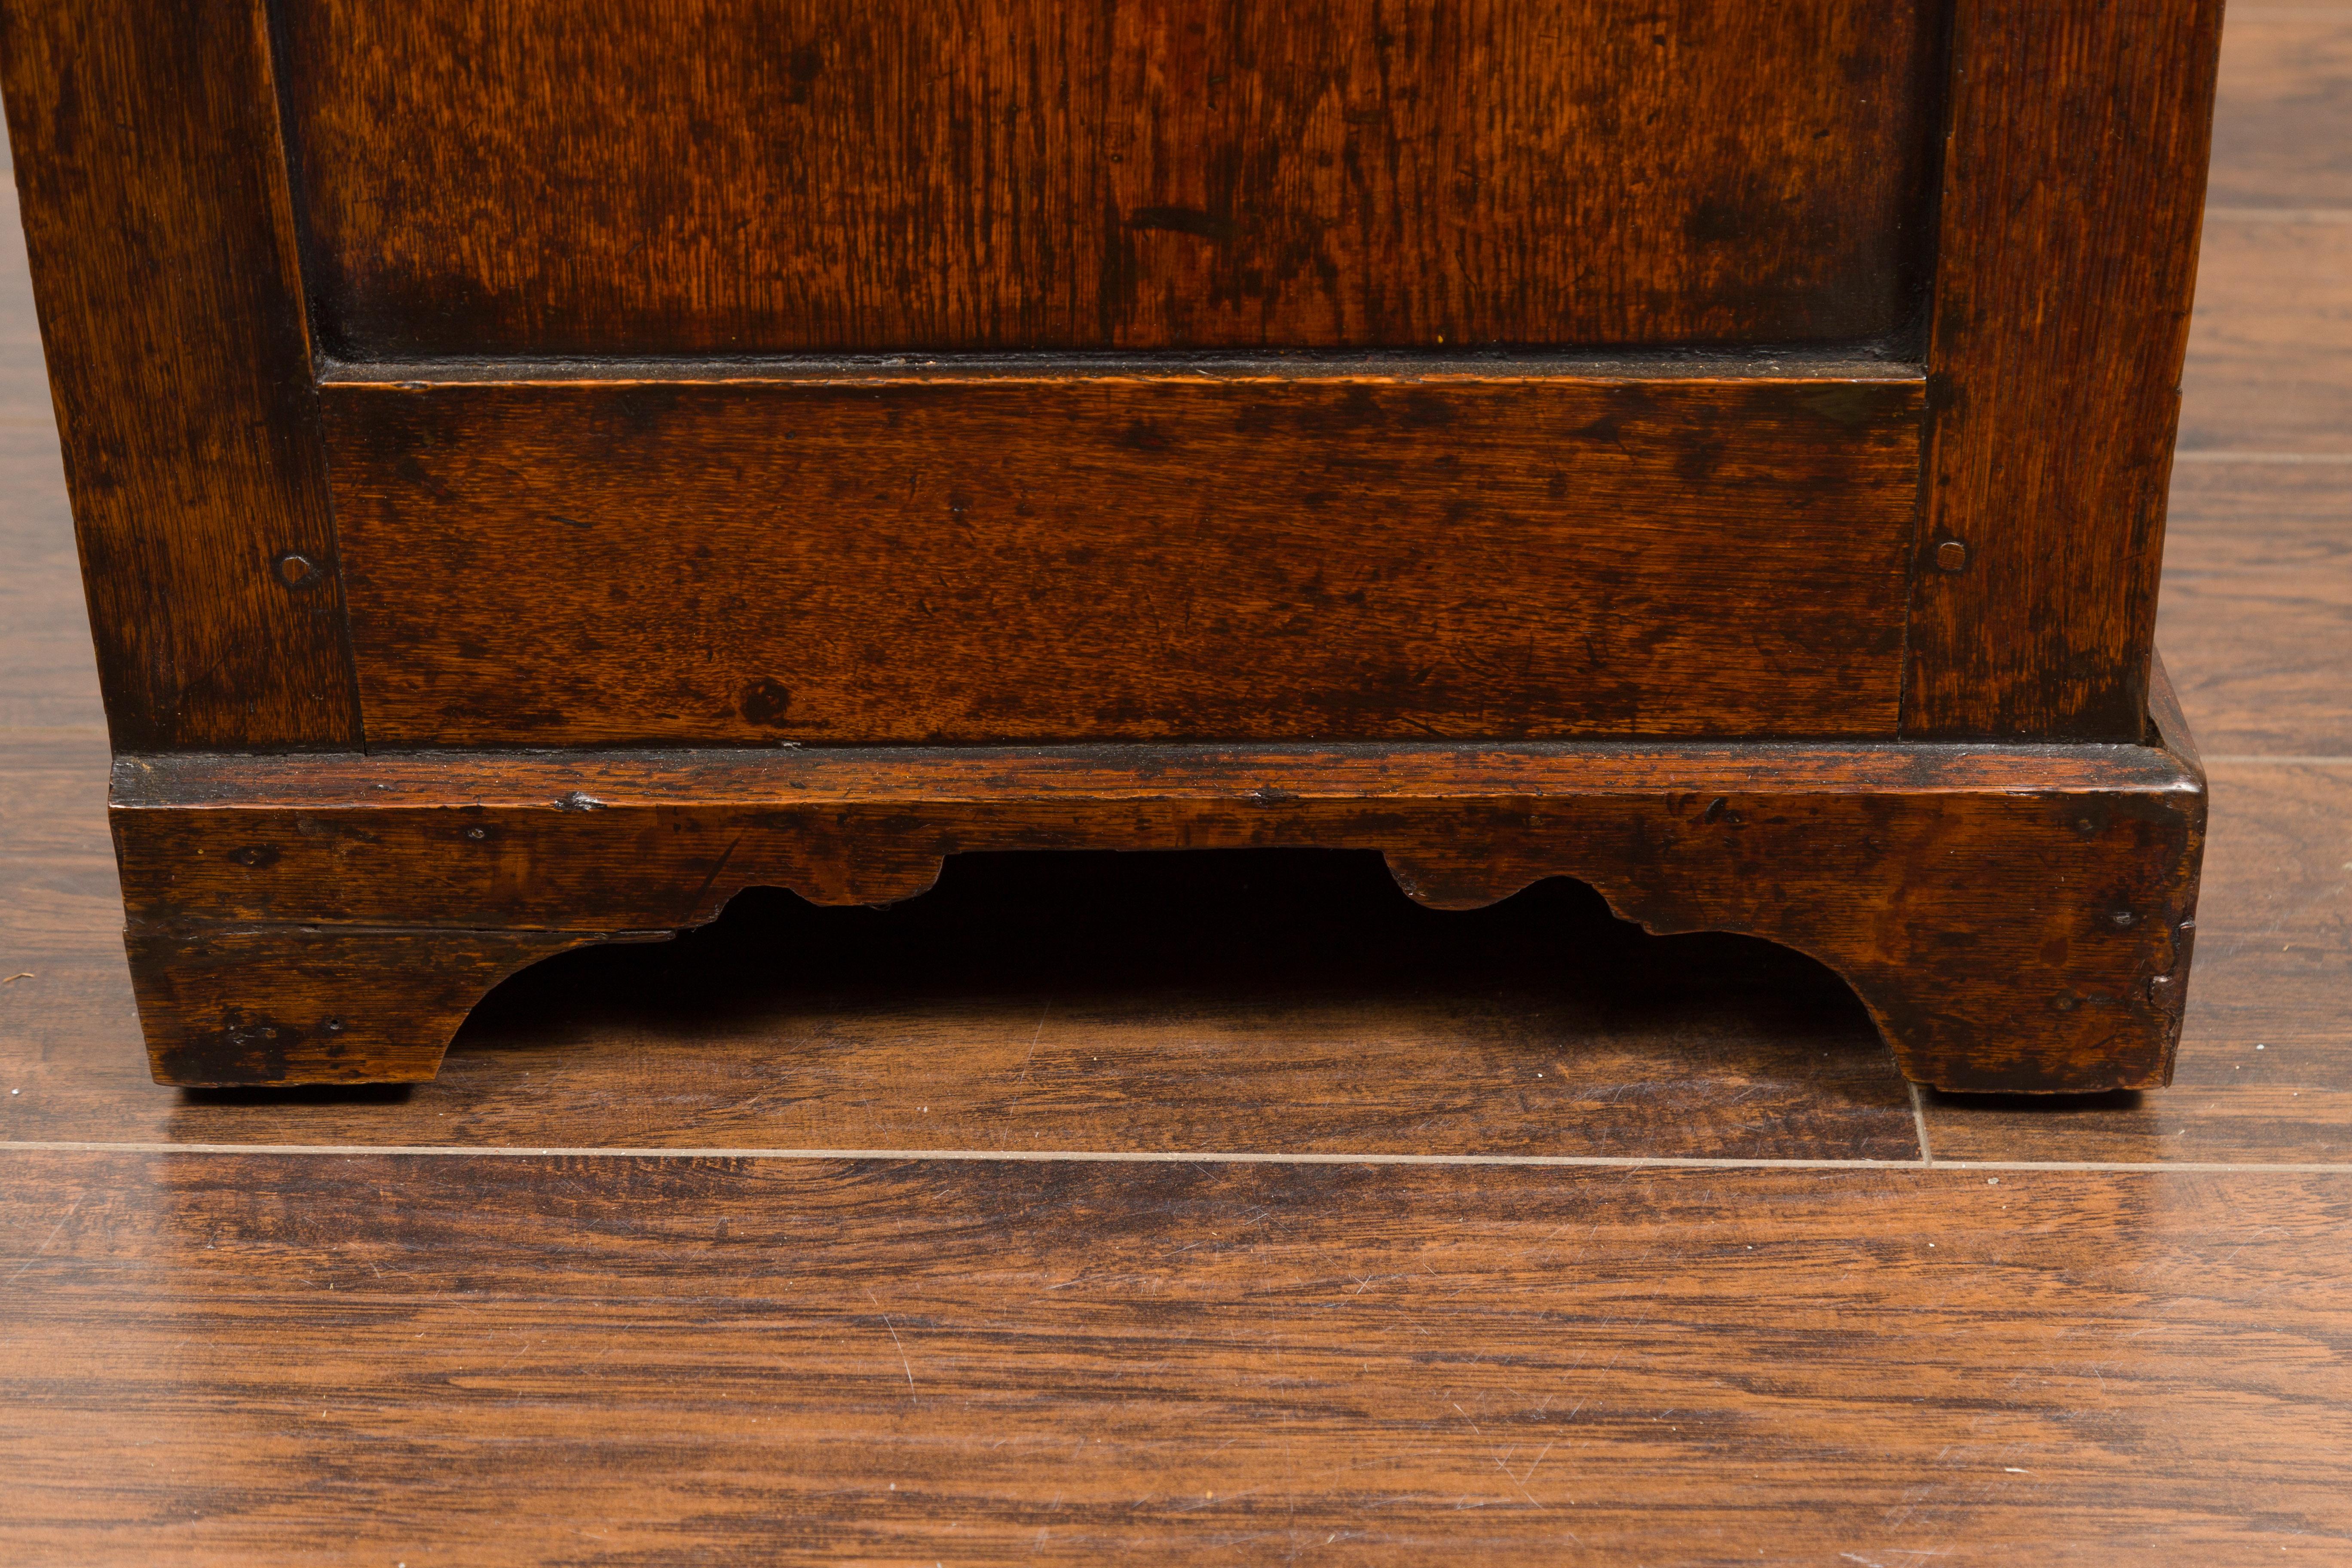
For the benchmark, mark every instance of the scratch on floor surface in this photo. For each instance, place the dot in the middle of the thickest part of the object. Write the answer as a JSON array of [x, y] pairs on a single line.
[[895, 1340]]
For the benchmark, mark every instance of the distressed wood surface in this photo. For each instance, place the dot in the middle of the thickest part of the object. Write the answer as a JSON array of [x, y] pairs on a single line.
[[555, 1360], [224, 1003], [2264, 1068], [1112, 1004], [562, 1359], [994, 555], [2073, 174], [1258, 999], [157, 215], [1129, 1003], [823, 175], [639, 840], [1875, 861]]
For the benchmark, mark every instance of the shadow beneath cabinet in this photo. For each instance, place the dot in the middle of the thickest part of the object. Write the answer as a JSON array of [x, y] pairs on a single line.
[[2051, 1106], [304, 1094], [1204, 1000]]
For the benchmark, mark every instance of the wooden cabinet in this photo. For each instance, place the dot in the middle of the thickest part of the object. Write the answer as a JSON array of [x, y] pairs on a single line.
[[543, 466]]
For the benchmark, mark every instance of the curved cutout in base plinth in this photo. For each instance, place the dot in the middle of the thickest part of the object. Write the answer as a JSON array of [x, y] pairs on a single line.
[[228, 1005], [2014, 918]]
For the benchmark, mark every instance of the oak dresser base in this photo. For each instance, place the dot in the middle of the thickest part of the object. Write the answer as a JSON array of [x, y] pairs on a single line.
[[2014, 917]]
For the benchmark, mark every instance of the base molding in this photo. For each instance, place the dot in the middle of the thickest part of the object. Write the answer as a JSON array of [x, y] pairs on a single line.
[[2015, 918], [225, 1004]]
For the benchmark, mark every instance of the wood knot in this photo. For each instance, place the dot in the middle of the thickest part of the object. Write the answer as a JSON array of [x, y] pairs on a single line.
[[765, 702]]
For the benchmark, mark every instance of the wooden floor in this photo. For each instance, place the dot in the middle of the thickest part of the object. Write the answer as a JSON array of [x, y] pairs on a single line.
[[1231, 1209]]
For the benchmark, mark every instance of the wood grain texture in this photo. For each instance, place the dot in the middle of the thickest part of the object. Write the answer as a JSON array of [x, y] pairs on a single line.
[[1259, 1000], [1874, 859], [1025, 1004], [829, 176], [2265, 1063], [329, 1357], [228, 1004], [158, 220], [2074, 175], [2257, 619], [560, 1360], [1264, 1000], [989, 555]]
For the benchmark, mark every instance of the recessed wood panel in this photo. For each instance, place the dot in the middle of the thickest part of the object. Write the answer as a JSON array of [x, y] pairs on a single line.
[[762, 176], [1002, 557]]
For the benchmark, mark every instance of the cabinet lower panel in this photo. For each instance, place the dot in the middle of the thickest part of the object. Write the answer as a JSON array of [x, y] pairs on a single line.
[[1144, 554]]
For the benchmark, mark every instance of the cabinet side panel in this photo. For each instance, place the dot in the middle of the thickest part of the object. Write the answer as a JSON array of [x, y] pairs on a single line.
[[2073, 180], [157, 215]]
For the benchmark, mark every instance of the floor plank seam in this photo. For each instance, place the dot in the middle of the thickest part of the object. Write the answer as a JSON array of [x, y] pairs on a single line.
[[2278, 214], [2228, 456], [2278, 760], [1163, 1157]]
